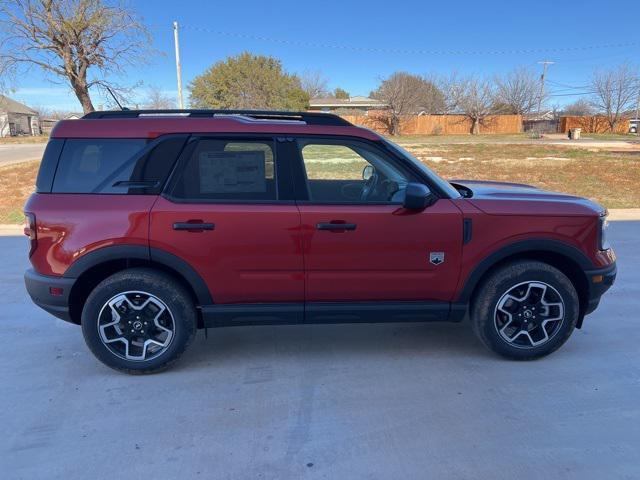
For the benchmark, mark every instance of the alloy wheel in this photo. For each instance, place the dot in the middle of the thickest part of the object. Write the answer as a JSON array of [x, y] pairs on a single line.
[[136, 326], [529, 314]]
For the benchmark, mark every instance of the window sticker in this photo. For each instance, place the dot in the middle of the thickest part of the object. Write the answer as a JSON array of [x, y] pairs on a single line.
[[232, 172]]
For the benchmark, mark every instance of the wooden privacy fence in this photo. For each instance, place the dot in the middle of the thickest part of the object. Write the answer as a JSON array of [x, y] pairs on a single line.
[[592, 124], [439, 124]]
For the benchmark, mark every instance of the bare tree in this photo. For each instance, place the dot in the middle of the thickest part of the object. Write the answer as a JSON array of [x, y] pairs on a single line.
[[314, 83], [157, 100], [615, 91], [84, 42], [404, 93], [472, 97], [518, 92], [579, 108]]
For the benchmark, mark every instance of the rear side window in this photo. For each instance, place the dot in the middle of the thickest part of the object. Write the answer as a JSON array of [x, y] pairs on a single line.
[[115, 166], [228, 170]]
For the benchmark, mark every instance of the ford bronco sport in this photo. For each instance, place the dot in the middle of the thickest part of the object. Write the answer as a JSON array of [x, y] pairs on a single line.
[[147, 225]]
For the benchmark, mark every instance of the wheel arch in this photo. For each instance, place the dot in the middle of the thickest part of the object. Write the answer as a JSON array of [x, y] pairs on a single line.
[[569, 260], [92, 268]]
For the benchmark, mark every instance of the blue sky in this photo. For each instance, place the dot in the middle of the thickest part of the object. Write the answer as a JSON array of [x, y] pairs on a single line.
[[374, 38]]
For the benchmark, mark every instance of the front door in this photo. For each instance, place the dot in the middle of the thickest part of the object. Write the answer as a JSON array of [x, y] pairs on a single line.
[[360, 244], [229, 213]]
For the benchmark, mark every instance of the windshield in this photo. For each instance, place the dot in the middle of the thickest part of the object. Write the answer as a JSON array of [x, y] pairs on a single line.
[[443, 184]]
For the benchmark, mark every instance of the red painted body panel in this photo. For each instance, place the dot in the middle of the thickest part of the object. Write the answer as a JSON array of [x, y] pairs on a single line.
[[491, 233], [386, 257], [253, 255], [70, 226], [154, 127]]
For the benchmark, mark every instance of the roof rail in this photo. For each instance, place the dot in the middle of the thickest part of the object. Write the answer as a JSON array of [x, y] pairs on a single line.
[[310, 118]]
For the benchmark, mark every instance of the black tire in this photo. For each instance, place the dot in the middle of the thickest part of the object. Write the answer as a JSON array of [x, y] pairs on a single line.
[[487, 320], [140, 284]]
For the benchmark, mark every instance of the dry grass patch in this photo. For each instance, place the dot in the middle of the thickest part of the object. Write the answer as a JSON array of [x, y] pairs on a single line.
[[29, 139], [16, 184], [610, 178]]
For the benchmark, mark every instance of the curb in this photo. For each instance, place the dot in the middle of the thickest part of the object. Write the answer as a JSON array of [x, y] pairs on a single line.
[[11, 230], [621, 214]]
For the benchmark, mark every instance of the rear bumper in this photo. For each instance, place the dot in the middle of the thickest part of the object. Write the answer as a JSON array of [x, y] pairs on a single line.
[[39, 287], [599, 282]]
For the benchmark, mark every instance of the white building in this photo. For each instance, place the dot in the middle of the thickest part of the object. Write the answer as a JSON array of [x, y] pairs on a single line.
[[17, 119]]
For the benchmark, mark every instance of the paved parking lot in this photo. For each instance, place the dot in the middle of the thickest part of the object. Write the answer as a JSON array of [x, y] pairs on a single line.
[[337, 402]]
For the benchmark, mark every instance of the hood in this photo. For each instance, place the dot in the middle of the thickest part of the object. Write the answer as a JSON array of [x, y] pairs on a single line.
[[502, 198]]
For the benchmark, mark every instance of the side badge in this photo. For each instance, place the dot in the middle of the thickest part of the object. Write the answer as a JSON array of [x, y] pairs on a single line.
[[436, 258]]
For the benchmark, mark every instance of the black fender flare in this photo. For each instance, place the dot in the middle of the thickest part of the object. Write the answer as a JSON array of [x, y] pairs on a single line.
[[539, 245], [141, 252]]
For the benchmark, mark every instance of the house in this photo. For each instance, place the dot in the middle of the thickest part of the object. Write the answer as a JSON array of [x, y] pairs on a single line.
[[363, 104], [541, 122], [47, 124], [17, 119]]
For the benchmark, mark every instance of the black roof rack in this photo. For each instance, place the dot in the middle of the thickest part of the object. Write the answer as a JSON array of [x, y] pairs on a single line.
[[310, 118]]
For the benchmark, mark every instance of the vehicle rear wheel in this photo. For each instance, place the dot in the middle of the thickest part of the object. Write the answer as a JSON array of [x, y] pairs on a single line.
[[139, 321], [525, 310]]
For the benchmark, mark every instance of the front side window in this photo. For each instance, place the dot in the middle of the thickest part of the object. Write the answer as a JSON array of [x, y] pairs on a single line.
[[228, 170], [351, 172]]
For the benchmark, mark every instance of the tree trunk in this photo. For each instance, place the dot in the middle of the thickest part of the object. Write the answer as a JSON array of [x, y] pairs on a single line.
[[82, 92], [475, 126], [395, 125]]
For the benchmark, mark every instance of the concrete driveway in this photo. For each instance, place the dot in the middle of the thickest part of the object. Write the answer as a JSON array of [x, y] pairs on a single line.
[[411, 401], [20, 152]]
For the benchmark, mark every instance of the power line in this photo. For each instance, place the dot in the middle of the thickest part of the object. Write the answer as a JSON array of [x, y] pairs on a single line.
[[337, 46], [571, 94], [569, 87]]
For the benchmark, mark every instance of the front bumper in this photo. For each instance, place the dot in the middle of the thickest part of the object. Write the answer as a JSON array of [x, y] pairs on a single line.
[[50, 293], [599, 282]]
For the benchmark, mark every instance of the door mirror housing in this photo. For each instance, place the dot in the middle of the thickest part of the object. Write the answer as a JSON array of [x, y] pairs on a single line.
[[418, 197]]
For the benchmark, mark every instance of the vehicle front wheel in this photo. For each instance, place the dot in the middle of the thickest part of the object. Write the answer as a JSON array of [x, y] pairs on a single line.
[[525, 310], [139, 321]]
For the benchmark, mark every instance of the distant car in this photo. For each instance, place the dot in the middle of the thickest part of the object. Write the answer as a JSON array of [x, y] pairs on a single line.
[[146, 226], [634, 125]]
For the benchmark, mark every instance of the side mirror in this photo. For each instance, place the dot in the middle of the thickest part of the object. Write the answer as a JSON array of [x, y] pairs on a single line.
[[367, 172], [418, 197]]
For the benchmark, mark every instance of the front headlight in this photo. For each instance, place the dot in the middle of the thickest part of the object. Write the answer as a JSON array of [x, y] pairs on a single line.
[[603, 243]]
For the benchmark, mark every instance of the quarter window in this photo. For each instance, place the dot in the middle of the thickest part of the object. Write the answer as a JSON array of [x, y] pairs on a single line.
[[115, 166]]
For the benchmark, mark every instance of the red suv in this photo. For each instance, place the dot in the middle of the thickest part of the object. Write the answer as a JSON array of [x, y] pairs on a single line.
[[147, 225]]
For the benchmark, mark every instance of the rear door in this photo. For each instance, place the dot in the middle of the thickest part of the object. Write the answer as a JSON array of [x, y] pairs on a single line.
[[228, 211], [360, 244]]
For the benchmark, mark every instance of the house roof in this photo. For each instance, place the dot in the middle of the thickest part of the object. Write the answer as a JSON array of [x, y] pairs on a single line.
[[357, 101], [9, 105]]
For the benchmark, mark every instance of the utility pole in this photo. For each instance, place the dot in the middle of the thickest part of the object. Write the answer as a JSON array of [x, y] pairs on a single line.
[[545, 64], [638, 112], [178, 66]]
